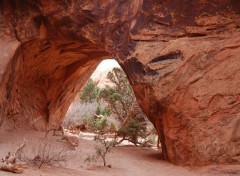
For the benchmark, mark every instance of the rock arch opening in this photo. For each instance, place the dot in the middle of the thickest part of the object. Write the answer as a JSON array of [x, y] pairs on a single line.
[[183, 68], [108, 94], [97, 80]]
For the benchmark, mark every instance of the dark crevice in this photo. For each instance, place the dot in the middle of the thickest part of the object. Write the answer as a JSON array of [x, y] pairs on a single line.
[[197, 35], [162, 23], [45, 48], [170, 56], [136, 68], [144, 40]]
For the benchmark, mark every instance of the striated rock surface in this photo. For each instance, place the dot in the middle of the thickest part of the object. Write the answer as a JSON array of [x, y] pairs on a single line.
[[181, 57]]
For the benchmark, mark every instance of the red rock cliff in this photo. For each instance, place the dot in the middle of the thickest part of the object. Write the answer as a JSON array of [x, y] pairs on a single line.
[[181, 57]]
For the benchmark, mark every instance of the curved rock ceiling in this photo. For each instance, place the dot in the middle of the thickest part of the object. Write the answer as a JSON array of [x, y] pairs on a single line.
[[181, 57]]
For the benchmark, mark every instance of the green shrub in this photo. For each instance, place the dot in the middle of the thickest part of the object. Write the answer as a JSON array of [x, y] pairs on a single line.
[[90, 92], [105, 111], [134, 131], [102, 148], [152, 139], [101, 126], [119, 96]]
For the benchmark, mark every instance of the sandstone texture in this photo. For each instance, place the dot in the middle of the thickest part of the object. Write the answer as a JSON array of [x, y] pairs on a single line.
[[181, 57]]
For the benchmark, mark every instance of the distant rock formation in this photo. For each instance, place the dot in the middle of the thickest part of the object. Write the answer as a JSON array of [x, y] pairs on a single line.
[[101, 78], [181, 57], [100, 74]]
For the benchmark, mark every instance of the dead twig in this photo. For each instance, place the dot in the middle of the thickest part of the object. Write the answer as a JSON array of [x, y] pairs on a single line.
[[9, 161]]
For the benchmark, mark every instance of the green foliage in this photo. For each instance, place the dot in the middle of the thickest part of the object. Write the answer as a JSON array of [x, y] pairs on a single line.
[[91, 158], [119, 97], [152, 139], [101, 126], [102, 148], [90, 92], [122, 102], [98, 125], [105, 111], [133, 130], [113, 128]]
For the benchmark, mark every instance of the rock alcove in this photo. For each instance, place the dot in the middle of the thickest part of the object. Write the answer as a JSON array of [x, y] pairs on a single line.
[[181, 57]]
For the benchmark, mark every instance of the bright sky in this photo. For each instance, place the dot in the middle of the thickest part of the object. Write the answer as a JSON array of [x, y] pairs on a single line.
[[107, 64]]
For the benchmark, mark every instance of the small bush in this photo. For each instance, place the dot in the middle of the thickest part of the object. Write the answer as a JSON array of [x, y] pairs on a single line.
[[102, 148], [44, 152], [101, 126], [152, 139], [90, 92], [134, 131], [105, 111], [96, 124]]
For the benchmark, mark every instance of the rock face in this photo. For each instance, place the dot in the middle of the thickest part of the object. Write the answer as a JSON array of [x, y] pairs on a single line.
[[181, 57]]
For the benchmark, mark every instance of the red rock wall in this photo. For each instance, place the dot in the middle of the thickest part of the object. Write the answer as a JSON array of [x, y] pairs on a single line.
[[181, 58]]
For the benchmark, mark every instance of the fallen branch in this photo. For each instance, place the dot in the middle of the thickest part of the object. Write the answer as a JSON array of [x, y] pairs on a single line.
[[71, 138], [9, 161], [15, 168], [20, 148]]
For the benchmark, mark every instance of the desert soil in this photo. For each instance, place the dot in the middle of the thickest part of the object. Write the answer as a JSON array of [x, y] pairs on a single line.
[[126, 160]]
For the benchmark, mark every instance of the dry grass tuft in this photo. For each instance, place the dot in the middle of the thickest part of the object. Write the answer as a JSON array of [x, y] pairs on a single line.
[[44, 152]]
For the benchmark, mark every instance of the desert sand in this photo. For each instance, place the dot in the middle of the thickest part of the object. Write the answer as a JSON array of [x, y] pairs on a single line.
[[126, 160]]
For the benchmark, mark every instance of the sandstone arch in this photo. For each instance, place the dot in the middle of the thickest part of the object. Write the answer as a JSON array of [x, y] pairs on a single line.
[[180, 57]]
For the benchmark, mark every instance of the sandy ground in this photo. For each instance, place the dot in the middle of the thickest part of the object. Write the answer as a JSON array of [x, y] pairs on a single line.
[[125, 160]]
